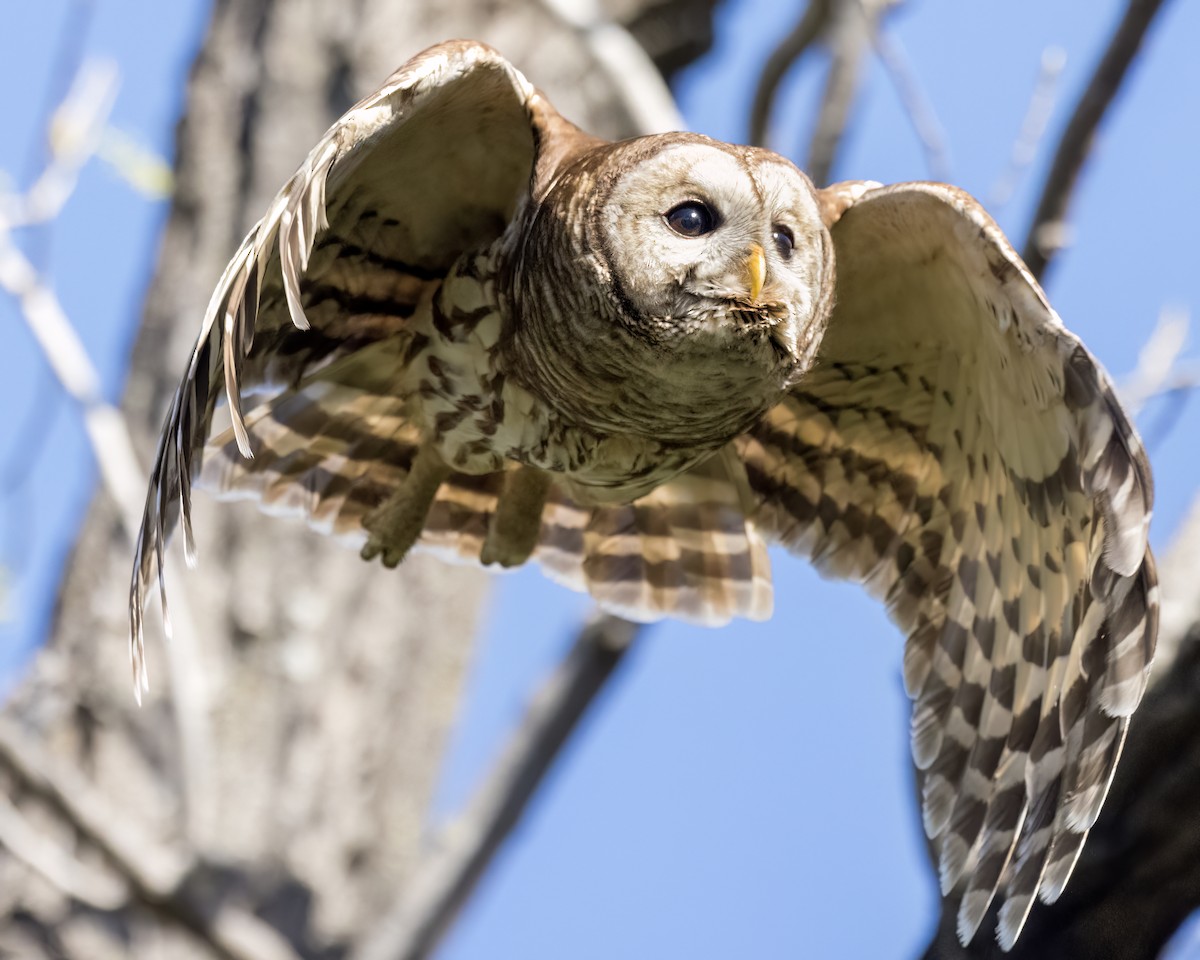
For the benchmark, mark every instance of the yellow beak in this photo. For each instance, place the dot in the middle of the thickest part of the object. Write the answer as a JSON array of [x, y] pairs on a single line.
[[756, 270]]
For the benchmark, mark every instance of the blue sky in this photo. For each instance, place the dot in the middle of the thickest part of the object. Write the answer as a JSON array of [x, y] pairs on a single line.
[[736, 792]]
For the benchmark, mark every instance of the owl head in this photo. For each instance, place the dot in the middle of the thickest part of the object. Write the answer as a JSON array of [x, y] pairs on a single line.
[[693, 277]]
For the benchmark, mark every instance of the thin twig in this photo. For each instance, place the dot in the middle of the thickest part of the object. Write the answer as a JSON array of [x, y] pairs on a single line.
[[1161, 373], [76, 128], [1033, 125], [413, 929], [1048, 232], [1159, 369], [66, 63], [157, 875], [46, 320], [643, 92], [808, 30], [917, 105]]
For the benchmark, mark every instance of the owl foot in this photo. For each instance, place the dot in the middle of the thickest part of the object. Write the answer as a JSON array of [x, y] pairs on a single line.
[[394, 525], [513, 531]]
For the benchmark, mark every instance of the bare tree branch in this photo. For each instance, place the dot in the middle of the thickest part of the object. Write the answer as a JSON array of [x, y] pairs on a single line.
[[849, 36], [1159, 369], [808, 30], [416, 925], [849, 39], [1047, 234], [66, 63], [157, 875], [847, 27], [74, 136], [641, 88], [73, 877], [61, 346], [1162, 373], [674, 33]]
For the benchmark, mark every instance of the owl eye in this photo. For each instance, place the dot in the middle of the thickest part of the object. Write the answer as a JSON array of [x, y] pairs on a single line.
[[785, 240], [691, 219]]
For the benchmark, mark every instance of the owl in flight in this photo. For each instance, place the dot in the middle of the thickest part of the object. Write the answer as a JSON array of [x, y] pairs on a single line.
[[466, 326]]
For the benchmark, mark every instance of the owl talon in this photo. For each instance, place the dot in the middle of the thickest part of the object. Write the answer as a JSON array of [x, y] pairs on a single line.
[[394, 526], [513, 531], [376, 547]]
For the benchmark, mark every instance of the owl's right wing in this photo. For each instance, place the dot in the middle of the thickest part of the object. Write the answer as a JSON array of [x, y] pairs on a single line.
[[433, 164], [962, 454]]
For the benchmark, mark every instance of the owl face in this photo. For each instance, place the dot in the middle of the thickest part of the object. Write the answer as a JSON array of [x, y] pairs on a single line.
[[722, 247], [682, 286]]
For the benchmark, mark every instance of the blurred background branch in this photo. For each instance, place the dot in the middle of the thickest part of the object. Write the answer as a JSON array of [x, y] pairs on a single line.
[[465, 847], [916, 102], [849, 34], [849, 30], [1050, 230], [809, 29], [1033, 126], [158, 877]]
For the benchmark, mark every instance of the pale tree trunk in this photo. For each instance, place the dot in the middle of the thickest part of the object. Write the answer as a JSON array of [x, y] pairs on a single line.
[[271, 796]]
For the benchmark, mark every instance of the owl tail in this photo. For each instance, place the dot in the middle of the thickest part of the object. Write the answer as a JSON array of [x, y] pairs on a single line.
[[332, 453]]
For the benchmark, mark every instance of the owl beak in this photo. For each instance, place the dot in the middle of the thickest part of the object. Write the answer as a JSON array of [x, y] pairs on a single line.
[[756, 270]]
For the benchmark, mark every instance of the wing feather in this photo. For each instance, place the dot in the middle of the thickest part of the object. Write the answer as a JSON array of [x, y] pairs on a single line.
[[333, 449], [376, 213], [962, 454]]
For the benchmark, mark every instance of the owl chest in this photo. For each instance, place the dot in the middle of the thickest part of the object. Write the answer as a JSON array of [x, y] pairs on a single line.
[[480, 417]]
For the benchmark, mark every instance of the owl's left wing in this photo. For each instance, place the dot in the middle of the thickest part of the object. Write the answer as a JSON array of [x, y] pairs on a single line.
[[963, 455]]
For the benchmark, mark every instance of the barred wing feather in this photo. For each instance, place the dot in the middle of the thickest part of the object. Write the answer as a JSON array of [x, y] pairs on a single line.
[[432, 164], [334, 448], [963, 455]]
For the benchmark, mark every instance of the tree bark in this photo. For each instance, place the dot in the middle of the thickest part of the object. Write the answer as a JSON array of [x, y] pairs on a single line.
[[269, 799]]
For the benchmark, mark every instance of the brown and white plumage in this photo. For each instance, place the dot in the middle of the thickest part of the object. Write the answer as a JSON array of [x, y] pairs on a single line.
[[961, 453], [466, 321]]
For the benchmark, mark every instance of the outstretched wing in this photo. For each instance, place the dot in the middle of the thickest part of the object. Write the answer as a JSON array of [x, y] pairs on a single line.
[[432, 164], [963, 455]]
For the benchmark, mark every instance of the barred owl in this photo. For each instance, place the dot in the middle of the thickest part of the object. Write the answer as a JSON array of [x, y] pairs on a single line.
[[466, 326]]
